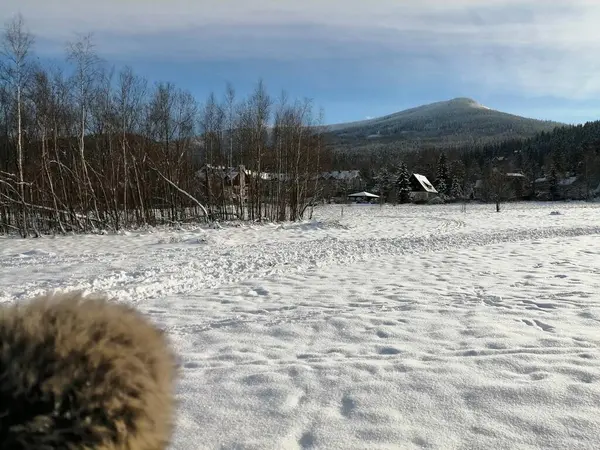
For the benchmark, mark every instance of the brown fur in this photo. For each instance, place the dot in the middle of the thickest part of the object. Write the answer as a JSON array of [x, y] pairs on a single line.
[[83, 373]]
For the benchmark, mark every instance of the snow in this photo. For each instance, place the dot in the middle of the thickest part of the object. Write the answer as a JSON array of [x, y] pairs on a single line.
[[342, 175], [423, 181], [567, 181], [364, 194], [563, 182], [387, 327]]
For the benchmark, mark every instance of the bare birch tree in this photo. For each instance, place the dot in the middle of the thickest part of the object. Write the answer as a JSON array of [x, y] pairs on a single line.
[[17, 43], [260, 110], [83, 55], [229, 111], [129, 100], [98, 150]]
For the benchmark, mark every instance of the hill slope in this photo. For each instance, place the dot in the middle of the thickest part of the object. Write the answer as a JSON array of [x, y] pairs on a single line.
[[440, 124]]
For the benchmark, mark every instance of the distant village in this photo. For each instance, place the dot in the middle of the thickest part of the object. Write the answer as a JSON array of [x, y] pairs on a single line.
[[342, 186]]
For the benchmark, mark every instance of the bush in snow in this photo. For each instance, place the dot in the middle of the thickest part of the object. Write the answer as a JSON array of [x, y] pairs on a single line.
[[436, 201]]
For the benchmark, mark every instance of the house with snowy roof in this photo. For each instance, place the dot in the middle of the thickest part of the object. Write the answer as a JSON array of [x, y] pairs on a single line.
[[569, 187], [341, 182], [421, 188], [228, 181], [514, 186]]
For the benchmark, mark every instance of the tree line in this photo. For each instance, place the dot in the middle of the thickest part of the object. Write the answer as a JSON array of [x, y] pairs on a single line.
[[93, 148], [566, 151]]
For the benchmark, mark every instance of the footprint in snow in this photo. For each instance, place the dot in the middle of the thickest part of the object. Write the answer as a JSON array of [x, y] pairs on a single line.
[[307, 440], [538, 324], [259, 292], [389, 351], [348, 406]]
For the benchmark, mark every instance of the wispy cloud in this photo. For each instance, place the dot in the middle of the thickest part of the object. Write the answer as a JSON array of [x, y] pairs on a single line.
[[541, 48]]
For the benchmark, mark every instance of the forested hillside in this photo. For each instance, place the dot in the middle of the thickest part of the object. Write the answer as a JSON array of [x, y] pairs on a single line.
[[566, 152], [440, 125]]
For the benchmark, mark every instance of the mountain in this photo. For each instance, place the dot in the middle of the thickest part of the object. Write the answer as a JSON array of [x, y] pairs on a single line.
[[442, 124]]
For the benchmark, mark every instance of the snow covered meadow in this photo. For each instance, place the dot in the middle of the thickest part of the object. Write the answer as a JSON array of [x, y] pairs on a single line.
[[389, 327]]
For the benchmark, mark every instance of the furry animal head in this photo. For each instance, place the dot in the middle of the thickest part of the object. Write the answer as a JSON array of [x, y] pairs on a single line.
[[83, 373]]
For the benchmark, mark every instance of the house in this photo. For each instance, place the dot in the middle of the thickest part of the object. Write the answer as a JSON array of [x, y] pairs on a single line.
[[234, 183], [421, 189], [570, 187], [339, 182], [509, 186], [478, 190], [231, 182], [363, 197], [519, 186]]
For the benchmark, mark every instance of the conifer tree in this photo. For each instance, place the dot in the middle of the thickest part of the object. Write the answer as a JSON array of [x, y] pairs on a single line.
[[403, 184], [553, 181], [384, 183], [456, 189], [442, 179]]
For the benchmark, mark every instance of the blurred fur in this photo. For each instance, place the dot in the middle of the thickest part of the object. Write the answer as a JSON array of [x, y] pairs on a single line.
[[83, 373]]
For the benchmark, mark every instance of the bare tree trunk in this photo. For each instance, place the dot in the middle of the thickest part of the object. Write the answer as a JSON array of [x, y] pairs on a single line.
[[185, 193], [50, 181], [138, 184], [16, 45], [82, 53], [24, 229]]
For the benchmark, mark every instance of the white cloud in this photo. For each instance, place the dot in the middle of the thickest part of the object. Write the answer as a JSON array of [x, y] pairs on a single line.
[[543, 48], [499, 21]]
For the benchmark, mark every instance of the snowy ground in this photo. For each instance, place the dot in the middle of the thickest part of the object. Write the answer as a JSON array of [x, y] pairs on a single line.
[[389, 327]]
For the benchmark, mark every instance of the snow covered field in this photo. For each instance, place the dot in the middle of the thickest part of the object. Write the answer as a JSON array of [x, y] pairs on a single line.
[[389, 327]]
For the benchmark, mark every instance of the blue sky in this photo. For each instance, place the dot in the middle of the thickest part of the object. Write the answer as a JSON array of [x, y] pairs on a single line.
[[355, 58]]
